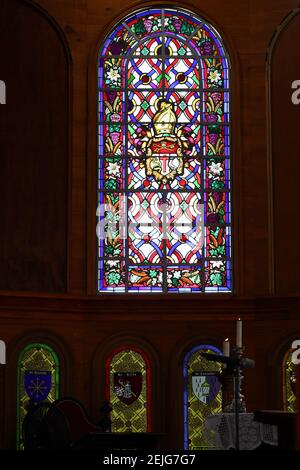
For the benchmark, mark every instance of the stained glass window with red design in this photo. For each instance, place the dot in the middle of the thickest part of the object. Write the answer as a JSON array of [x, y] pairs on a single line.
[[163, 215]]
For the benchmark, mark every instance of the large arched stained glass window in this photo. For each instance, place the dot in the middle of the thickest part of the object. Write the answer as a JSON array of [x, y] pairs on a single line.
[[128, 389], [202, 396], [289, 382], [37, 380], [164, 222]]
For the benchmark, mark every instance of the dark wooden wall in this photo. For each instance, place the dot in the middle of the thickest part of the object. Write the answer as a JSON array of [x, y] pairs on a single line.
[[284, 154], [47, 211], [34, 151]]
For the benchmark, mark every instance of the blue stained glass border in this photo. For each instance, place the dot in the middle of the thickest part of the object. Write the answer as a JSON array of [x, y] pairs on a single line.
[[186, 361]]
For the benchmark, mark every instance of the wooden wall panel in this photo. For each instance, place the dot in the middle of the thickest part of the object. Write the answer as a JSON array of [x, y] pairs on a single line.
[[89, 330], [285, 124], [34, 151]]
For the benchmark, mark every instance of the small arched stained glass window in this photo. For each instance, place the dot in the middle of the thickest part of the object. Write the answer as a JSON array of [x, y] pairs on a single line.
[[37, 380], [289, 382], [164, 216], [202, 397], [128, 389]]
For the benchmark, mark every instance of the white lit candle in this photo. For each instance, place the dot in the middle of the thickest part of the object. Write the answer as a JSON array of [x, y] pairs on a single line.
[[226, 348], [239, 334]]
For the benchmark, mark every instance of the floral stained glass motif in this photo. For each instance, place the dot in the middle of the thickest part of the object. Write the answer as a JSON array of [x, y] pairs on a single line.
[[164, 206], [289, 383], [37, 380], [128, 389], [202, 396]]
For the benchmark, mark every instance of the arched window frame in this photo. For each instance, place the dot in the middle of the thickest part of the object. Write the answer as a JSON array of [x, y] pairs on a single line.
[[288, 371], [213, 271], [108, 378], [186, 362], [55, 373]]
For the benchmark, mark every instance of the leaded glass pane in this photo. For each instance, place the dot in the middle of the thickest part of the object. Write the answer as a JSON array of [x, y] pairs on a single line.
[[37, 380], [289, 383], [202, 397], [128, 390], [164, 207]]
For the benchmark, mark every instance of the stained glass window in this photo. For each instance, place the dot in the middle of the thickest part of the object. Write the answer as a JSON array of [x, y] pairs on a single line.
[[128, 389], [37, 380], [289, 382], [202, 396], [163, 216]]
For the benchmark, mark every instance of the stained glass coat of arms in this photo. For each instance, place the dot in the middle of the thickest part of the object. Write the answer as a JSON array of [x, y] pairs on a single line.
[[202, 397], [163, 216], [128, 389], [38, 376]]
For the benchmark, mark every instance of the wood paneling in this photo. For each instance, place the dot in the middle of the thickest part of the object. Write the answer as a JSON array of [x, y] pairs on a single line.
[[284, 62], [34, 151]]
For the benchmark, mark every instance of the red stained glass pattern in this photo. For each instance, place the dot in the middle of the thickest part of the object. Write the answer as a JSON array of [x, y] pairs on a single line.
[[164, 206]]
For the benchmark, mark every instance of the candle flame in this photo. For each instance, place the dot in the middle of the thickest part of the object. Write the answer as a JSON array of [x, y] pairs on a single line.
[[226, 339], [239, 319]]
